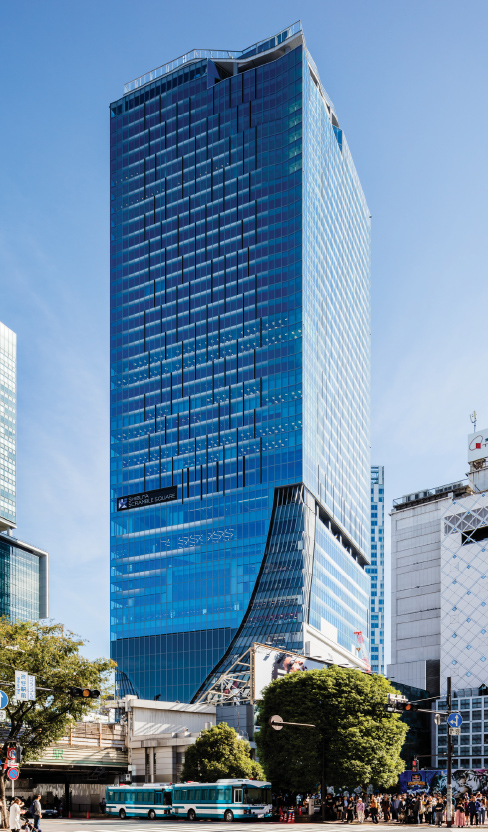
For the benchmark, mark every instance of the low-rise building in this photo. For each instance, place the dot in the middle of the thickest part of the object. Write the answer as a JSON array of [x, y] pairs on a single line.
[[158, 734]]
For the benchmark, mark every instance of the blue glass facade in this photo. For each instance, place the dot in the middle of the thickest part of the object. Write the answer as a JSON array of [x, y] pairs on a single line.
[[376, 570], [8, 426], [239, 283], [19, 582]]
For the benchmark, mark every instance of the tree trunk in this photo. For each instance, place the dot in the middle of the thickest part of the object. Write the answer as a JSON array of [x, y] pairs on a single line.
[[3, 801]]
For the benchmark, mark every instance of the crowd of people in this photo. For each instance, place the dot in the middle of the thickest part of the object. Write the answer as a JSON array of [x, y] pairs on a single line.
[[467, 810]]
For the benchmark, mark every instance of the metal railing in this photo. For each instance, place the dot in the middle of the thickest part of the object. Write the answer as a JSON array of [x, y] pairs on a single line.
[[430, 492], [215, 55]]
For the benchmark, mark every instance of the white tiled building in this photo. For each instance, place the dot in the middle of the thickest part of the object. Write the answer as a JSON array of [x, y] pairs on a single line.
[[440, 599]]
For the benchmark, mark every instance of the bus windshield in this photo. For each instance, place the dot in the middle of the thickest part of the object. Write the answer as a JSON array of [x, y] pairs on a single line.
[[257, 796]]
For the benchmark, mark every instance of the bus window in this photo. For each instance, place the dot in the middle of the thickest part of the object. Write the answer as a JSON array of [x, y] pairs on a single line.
[[141, 797], [204, 794], [237, 795], [110, 795], [150, 797], [177, 794], [198, 795], [212, 794], [131, 797], [256, 796], [228, 793], [158, 797], [220, 794]]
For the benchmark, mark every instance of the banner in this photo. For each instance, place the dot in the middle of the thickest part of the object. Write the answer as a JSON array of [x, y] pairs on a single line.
[[435, 781], [271, 663]]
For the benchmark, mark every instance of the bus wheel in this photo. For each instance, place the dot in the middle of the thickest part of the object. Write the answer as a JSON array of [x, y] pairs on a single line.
[[122, 814], [151, 814], [228, 815], [191, 814]]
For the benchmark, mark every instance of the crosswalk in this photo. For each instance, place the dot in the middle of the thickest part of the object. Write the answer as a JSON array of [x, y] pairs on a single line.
[[172, 825]]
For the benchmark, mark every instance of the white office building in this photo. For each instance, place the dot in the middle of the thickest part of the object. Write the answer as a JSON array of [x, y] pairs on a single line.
[[440, 599]]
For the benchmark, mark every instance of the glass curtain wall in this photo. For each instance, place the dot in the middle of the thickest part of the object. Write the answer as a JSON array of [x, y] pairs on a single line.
[[208, 298]]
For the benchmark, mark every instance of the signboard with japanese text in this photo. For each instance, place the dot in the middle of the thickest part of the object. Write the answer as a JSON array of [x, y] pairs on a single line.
[[148, 498], [25, 686]]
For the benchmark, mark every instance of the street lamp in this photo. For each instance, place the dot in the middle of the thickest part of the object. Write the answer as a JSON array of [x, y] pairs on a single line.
[[277, 723]]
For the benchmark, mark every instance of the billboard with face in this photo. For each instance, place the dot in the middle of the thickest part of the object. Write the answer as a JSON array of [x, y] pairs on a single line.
[[271, 663]]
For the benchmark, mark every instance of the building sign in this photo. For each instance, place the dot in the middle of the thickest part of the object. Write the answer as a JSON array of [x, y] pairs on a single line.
[[271, 663], [25, 686], [148, 498], [477, 445]]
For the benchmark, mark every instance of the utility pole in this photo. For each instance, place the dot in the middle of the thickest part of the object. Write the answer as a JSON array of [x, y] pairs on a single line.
[[449, 760]]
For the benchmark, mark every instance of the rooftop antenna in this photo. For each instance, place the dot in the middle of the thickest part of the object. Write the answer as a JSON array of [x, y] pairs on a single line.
[[473, 416]]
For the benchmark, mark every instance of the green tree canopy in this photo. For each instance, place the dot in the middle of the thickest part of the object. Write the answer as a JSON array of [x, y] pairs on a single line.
[[219, 752], [362, 743], [52, 655]]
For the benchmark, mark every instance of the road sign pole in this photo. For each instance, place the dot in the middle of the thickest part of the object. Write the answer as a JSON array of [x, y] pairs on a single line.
[[449, 762]]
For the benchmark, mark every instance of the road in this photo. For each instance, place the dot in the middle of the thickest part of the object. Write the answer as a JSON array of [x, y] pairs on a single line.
[[133, 825]]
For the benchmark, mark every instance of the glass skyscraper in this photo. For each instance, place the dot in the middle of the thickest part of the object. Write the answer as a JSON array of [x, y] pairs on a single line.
[[376, 570], [8, 426], [240, 368], [23, 568]]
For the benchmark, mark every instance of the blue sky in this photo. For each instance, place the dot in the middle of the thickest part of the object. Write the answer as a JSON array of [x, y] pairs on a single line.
[[408, 80]]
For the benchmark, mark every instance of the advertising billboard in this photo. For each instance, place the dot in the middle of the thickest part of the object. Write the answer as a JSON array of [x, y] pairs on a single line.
[[477, 445], [435, 781], [271, 663]]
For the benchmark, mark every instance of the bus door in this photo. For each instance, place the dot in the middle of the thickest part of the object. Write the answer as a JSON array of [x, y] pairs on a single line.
[[238, 795]]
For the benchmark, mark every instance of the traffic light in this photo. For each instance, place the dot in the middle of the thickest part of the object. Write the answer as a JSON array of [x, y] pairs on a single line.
[[396, 704], [86, 693], [415, 764]]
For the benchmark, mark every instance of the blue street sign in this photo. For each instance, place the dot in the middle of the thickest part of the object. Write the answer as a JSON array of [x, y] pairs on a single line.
[[455, 720], [3, 700], [13, 773]]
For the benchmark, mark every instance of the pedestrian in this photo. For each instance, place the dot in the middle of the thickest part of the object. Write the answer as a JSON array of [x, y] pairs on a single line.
[[360, 809], [459, 816], [36, 811], [482, 800], [473, 809], [385, 807], [428, 809], [14, 815], [416, 809], [438, 810], [350, 811], [395, 803], [103, 805], [373, 809]]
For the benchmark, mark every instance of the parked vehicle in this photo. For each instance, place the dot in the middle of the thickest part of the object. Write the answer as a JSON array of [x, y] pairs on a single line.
[[226, 799]]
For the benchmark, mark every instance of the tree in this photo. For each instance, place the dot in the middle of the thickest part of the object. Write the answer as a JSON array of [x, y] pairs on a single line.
[[219, 752], [52, 655], [362, 743]]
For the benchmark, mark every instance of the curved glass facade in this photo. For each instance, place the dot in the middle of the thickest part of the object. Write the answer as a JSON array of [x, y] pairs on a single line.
[[213, 275]]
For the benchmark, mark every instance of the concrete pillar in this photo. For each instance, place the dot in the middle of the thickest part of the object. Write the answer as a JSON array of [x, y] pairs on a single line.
[[151, 765]]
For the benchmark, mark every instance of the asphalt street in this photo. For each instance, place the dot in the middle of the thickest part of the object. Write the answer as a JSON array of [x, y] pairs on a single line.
[[133, 825]]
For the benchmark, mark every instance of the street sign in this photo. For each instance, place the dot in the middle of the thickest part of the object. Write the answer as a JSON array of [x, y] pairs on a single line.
[[3, 699], [276, 722], [3, 716], [454, 732], [25, 686], [454, 720], [13, 773]]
